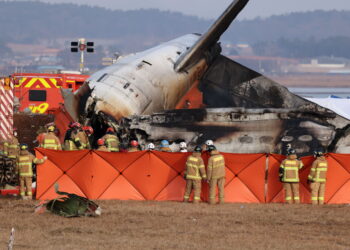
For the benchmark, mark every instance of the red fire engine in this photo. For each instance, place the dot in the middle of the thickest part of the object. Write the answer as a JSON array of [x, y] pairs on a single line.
[[40, 93]]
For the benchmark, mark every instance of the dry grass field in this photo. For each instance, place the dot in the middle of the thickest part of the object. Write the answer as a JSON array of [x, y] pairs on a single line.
[[174, 225]]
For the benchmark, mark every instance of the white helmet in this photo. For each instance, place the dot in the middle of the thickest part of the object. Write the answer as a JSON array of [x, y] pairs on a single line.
[[209, 143], [150, 146], [183, 145]]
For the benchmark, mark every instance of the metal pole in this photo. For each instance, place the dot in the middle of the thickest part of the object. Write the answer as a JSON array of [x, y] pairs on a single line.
[[82, 62]]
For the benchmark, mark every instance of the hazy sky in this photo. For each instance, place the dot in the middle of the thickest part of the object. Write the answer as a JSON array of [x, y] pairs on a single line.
[[213, 8]]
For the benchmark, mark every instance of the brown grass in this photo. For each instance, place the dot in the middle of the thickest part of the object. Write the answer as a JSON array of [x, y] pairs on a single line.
[[174, 225]]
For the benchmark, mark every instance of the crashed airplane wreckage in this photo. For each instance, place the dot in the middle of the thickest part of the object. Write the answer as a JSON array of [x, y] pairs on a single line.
[[244, 112]]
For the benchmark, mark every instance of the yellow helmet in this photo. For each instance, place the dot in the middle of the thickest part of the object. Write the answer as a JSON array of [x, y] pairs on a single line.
[[51, 128], [24, 146]]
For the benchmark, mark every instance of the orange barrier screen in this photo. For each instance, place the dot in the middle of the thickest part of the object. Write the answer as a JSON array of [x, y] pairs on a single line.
[[153, 175]]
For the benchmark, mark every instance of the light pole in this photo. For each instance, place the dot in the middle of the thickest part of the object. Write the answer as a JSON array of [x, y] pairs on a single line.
[[82, 45]]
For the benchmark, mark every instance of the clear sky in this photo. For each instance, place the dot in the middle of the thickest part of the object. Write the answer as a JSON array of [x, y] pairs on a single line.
[[213, 8]]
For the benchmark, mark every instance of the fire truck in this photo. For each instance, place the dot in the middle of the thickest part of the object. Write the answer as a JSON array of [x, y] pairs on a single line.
[[40, 93]]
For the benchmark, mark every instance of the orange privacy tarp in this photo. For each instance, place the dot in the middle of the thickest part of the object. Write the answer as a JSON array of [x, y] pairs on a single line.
[[153, 175]]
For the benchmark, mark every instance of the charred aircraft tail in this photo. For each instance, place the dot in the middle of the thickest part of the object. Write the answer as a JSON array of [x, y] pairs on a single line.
[[209, 39]]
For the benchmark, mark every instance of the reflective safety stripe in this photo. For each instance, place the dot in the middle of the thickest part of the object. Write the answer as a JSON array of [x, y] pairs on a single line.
[[50, 141], [321, 198], [314, 198], [197, 198], [29, 193], [290, 168], [193, 159], [186, 197], [192, 165], [291, 162], [25, 166], [13, 146], [296, 197], [288, 198], [217, 158], [22, 193], [323, 164], [192, 177]]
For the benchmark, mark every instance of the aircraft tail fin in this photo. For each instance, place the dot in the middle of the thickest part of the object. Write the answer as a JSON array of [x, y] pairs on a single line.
[[207, 40]]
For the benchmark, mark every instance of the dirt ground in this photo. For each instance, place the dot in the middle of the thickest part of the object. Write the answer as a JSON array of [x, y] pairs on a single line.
[[175, 225]]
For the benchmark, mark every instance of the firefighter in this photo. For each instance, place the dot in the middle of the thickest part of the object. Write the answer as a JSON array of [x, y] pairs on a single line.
[[77, 139], [317, 178], [101, 145], [164, 146], [83, 138], [89, 131], [216, 174], [134, 146], [112, 140], [68, 143], [11, 146], [50, 140], [194, 173], [183, 147], [289, 176], [25, 170]]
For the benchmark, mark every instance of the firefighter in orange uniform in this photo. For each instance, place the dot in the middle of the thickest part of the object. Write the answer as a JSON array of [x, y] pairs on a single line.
[[101, 145], [289, 176], [134, 146], [216, 174], [317, 178], [25, 170], [50, 140], [111, 140], [195, 171]]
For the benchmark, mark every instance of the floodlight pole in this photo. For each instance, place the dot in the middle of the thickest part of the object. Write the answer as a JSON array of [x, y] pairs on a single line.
[[82, 61]]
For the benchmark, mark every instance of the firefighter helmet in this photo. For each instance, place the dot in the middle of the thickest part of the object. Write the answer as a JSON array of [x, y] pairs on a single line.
[[209, 143], [110, 130], [211, 148], [318, 153], [150, 146], [51, 128], [183, 145], [100, 142], [76, 125], [164, 144], [23, 146], [198, 149], [291, 151], [88, 130], [134, 143]]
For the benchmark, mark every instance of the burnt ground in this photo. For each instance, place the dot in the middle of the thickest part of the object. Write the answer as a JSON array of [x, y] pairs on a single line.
[[174, 225]]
